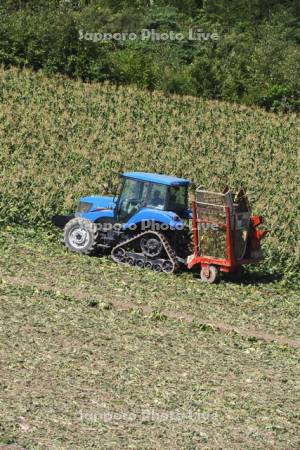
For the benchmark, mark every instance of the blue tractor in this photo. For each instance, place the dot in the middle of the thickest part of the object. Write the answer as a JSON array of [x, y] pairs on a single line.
[[145, 225]]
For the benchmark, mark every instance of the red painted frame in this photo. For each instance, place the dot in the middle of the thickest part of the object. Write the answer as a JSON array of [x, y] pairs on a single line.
[[225, 265]]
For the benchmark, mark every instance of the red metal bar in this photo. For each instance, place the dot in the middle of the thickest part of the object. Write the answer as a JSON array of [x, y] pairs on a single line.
[[211, 260], [229, 240], [195, 228]]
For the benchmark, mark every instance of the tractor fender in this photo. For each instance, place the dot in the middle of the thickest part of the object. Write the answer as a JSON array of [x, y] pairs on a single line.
[[146, 217], [94, 216]]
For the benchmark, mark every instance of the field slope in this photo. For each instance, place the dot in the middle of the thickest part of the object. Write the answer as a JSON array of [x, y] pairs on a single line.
[[61, 139], [98, 356]]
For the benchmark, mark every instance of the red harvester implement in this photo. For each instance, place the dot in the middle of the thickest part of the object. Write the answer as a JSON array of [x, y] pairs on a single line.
[[225, 234]]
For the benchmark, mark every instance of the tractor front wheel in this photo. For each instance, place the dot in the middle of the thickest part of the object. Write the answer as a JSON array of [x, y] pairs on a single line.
[[210, 274], [81, 236]]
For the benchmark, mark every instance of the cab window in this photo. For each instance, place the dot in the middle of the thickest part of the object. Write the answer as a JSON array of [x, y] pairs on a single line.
[[177, 199], [157, 196], [132, 198]]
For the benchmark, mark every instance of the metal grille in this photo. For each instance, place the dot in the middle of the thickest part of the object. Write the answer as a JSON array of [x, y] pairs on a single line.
[[211, 215], [213, 198]]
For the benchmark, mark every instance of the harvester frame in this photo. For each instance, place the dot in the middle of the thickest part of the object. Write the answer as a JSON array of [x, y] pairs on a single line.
[[211, 266]]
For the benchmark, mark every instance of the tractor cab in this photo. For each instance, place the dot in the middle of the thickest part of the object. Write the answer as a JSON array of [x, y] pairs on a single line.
[[151, 191]]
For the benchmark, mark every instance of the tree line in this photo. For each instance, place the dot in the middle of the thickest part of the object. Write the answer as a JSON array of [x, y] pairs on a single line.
[[254, 58]]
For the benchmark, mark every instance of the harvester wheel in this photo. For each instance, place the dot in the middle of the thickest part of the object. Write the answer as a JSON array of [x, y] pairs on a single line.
[[81, 236], [210, 274]]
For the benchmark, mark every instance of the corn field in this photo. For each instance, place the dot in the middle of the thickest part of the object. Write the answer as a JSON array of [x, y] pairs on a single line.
[[61, 139]]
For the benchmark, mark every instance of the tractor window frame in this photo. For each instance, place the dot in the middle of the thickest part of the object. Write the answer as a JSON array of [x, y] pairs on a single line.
[[151, 188], [185, 205], [166, 193], [122, 188]]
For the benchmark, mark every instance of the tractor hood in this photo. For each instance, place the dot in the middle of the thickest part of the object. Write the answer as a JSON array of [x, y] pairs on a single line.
[[95, 203]]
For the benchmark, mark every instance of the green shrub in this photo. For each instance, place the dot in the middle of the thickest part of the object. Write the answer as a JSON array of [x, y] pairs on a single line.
[[255, 61]]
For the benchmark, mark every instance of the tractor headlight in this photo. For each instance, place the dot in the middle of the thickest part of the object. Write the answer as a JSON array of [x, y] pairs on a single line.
[[84, 207]]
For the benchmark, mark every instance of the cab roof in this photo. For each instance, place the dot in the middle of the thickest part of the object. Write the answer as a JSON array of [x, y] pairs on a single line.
[[157, 178]]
